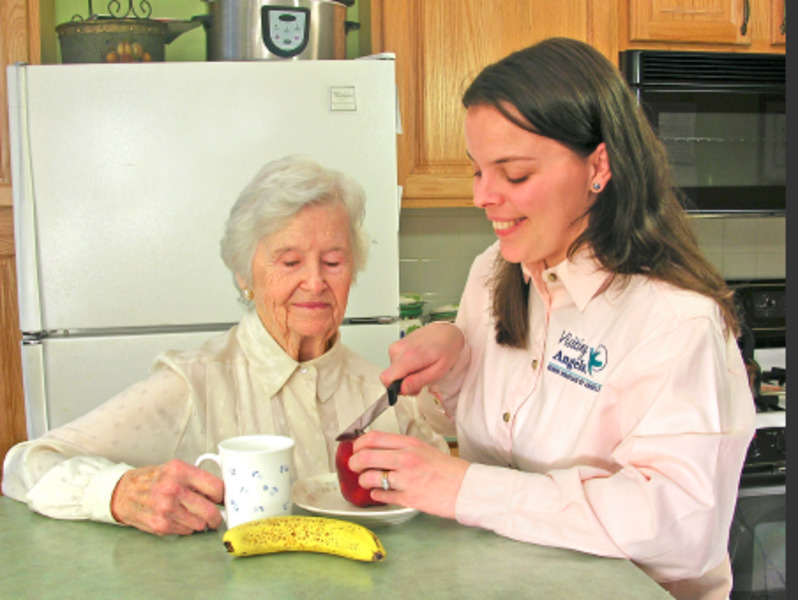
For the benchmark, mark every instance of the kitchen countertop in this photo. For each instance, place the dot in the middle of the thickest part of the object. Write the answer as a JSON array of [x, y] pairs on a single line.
[[427, 557]]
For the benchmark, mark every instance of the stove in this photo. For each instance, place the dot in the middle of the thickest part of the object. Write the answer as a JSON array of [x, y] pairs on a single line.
[[762, 306], [768, 450], [757, 538]]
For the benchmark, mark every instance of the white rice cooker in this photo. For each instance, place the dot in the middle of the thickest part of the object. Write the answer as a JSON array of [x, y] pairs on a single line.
[[277, 29]]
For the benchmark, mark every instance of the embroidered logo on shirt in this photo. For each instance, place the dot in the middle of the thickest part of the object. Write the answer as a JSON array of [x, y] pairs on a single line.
[[578, 361]]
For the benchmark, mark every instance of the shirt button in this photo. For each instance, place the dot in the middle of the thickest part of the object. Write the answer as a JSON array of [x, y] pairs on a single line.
[[535, 364], [506, 417], [303, 370], [552, 277]]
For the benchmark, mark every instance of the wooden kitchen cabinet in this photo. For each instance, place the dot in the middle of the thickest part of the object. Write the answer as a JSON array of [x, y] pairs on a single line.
[[19, 41], [440, 45], [747, 25], [708, 21]]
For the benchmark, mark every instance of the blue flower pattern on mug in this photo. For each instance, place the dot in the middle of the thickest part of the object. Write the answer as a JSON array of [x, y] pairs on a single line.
[[244, 489]]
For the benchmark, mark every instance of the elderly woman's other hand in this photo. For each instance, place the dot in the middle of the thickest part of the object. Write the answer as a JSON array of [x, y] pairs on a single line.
[[173, 498], [423, 356]]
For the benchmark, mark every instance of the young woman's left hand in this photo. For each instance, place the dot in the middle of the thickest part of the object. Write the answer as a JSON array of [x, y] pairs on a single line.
[[420, 475]]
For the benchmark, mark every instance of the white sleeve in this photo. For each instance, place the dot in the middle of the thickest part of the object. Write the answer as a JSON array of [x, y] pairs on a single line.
[[77, 488], [71, 472], [414, 412]]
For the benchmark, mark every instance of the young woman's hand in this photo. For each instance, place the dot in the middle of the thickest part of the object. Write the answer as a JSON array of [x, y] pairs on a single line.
[[423, 356], [420, 476]]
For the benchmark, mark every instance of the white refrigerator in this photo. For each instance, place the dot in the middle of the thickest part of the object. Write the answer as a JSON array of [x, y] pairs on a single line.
[[123, 178]]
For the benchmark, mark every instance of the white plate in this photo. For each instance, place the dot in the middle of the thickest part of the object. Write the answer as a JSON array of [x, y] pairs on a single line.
[[321, 495]]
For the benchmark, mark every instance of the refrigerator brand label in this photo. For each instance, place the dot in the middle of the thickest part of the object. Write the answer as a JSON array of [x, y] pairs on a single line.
[[342, 98]]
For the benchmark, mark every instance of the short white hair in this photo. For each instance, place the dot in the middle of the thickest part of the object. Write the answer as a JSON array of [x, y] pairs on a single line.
[[275, 195]]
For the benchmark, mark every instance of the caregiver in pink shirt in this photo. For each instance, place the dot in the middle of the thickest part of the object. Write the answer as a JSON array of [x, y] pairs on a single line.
[[593, 372]]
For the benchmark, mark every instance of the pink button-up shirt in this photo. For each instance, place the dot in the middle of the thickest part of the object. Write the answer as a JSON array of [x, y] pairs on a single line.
[[620, 431]]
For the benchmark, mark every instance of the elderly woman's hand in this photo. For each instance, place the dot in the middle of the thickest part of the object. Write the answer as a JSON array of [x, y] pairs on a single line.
[[423, 356], [173, 498]]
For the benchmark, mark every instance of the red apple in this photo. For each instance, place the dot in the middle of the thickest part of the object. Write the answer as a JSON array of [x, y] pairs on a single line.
[[347, 478]]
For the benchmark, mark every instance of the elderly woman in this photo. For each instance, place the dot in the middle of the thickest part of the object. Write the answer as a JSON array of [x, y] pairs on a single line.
[[294, 243]]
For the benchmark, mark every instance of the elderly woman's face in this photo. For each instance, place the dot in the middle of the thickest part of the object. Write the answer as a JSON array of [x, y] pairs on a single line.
[[301, 277]]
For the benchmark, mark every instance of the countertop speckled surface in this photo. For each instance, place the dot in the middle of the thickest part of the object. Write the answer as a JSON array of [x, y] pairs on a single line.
[[427, 557]]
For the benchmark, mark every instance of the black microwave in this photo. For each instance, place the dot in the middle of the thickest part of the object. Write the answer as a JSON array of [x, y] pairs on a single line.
[[721, 117]]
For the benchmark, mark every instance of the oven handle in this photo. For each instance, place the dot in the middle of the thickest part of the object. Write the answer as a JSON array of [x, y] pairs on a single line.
[[763, 490]]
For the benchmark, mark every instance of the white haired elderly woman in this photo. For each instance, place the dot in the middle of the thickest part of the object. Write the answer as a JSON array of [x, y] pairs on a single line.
[[294, 243]]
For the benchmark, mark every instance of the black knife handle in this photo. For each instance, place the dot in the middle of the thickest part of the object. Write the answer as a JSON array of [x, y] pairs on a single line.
[[393, 391]]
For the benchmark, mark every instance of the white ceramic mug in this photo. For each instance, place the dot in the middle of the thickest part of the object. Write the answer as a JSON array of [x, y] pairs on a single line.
[[256, 470]]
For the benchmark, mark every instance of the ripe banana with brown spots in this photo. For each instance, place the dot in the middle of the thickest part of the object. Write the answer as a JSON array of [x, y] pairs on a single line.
[[296, 533]]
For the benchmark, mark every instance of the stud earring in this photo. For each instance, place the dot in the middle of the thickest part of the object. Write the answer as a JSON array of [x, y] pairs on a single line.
[[596, 186], [247, 294]]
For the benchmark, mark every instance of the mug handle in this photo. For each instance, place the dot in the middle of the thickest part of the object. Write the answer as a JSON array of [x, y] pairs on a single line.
[[215, 458]]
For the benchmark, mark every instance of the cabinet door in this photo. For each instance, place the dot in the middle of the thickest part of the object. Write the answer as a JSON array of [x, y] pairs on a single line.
[[705, 21], [19, 41], [440, 45]]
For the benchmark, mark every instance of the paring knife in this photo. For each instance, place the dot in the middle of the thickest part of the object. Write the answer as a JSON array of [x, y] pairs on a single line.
[[389, 398]]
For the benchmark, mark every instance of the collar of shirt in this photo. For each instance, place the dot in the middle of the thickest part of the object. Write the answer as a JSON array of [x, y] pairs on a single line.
[[581, 276], [273, 367]]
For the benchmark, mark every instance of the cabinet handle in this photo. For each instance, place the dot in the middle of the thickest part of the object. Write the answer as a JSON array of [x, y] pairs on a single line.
[[746, 17], [783, 28]]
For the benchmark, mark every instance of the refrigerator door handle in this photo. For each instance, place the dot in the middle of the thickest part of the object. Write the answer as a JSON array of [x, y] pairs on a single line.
[[382, 320]]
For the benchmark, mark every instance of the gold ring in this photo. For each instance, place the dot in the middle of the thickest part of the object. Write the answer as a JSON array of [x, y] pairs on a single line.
[[384, 484]]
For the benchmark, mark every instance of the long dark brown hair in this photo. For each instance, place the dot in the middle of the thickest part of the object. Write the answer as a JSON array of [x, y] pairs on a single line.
[[567, 91]]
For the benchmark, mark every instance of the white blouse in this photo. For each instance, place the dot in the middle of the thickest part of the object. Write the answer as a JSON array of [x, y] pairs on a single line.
[[239, 383]]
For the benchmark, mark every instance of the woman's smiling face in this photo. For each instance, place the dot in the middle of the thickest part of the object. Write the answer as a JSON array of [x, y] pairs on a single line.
[[301, 277], [534, 190]]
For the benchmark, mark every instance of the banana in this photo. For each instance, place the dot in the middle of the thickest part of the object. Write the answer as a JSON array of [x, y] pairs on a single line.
[[296, 533]]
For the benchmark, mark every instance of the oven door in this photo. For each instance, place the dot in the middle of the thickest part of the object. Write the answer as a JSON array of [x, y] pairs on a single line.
[[722, 118], [727, 148], [757, 539]]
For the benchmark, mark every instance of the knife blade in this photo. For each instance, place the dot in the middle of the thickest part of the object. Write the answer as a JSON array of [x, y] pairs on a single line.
[[389, 398]]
